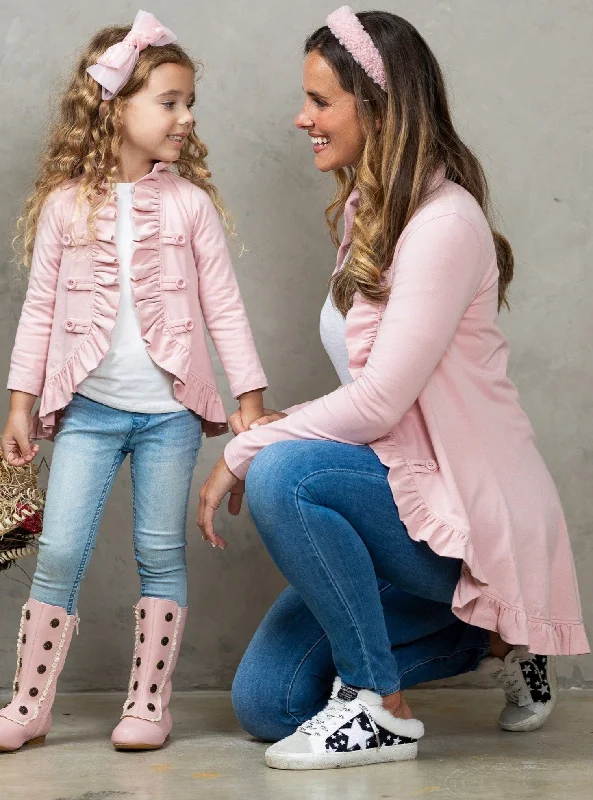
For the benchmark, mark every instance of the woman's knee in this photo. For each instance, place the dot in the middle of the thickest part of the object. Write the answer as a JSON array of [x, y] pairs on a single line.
[[259, 704], [277, 469], [270, 467]]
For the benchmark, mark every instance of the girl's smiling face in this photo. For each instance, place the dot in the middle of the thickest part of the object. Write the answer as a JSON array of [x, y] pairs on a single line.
[[157, 120], [329, 116]]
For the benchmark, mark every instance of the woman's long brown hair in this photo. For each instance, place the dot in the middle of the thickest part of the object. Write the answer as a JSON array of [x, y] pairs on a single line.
[[399, 160], [84, 146]]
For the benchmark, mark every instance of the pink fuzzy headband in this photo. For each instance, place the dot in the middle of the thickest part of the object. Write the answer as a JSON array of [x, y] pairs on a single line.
[[348, 30]]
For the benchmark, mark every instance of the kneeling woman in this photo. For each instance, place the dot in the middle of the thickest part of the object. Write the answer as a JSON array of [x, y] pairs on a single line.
[[409, 510]]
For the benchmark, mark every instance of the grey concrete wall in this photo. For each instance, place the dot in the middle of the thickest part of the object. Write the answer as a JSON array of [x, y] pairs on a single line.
[[521, 79]]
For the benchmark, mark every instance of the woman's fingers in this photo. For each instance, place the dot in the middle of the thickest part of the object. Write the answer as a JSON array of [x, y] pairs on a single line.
[[236, 423], [236, 498], [206, 512], [270, 416]]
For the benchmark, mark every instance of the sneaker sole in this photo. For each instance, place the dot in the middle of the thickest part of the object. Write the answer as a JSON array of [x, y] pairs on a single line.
[[358, 758], [534, 722]]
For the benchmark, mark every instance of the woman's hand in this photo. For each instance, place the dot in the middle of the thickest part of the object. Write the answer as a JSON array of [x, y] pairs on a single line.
[[17, 447], [221, 482], [236, 421]]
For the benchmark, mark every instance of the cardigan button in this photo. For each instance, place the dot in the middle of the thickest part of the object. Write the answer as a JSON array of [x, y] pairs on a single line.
[[66, 239], [181, 239], [181, 283], [189, 325], [71, 283], [69, 325], [431, 465]]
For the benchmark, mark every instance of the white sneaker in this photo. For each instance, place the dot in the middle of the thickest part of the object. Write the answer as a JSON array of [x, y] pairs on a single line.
[[353, 729], [530, 687]]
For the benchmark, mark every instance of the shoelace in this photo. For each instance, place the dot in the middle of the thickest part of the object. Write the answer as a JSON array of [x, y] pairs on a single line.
[[324, 719], [334, 710]]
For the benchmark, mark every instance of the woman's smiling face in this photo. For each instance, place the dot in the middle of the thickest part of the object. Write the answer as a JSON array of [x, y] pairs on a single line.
[[329, 116]]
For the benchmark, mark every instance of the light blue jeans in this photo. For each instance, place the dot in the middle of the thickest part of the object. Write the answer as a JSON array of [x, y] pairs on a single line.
[[365, 602], [91, 445]]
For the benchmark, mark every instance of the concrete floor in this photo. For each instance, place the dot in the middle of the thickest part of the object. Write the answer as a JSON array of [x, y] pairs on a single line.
[[464, 755]]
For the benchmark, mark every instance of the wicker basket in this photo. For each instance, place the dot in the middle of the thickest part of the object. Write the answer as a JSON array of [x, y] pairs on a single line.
[[21, 511]]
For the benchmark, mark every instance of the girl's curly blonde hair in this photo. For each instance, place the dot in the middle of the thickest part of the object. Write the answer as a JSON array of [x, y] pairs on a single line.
[[84, 145]]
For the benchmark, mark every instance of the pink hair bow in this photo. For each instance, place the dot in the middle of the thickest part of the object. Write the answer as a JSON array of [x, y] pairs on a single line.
[[114, 68]]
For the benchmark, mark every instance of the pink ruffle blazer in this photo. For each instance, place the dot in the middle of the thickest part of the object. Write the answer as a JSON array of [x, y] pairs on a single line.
[[181, 272]]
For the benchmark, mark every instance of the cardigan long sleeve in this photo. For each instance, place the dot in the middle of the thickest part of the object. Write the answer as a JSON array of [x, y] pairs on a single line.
[[221, 303], [436, 274], [29, 355]]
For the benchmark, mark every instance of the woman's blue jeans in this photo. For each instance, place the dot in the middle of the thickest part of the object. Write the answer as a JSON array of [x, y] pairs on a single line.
[[365, 601], [91, 445]]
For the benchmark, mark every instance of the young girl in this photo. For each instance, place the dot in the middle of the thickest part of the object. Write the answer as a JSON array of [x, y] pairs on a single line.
[[126, 254]]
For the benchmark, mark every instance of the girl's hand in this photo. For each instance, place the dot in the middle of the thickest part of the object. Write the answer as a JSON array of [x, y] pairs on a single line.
[[251, 407], [221, 482], [17, 447], [238, 426]]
